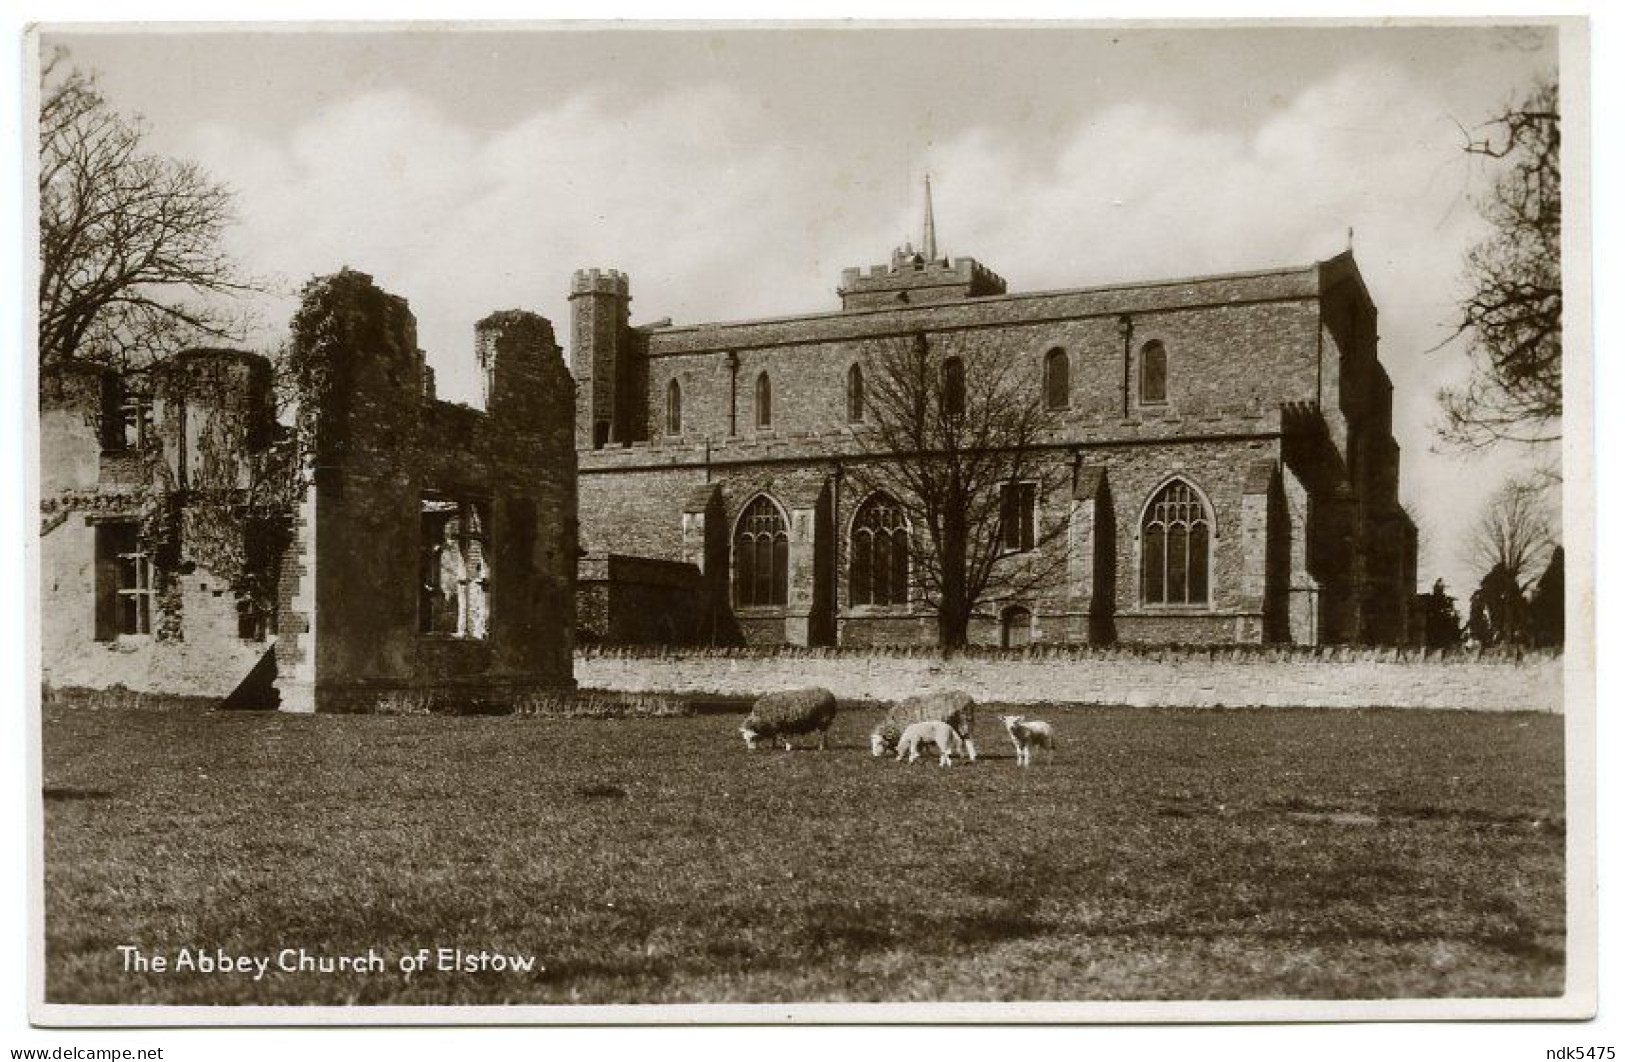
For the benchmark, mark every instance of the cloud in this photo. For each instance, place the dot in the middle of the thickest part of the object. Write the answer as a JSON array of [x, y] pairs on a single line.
[[684, 192], [1139, 192]]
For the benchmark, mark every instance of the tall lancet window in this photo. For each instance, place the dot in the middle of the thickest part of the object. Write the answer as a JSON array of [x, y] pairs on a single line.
[[1057, 380], [674, 408], [854, 394], [1153, 373], [764, 401], [953, 388]]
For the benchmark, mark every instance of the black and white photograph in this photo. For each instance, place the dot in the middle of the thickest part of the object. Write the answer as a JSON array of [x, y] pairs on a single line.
[[728, 522]]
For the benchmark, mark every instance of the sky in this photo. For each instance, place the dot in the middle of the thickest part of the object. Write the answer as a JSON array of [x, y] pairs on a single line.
[[733, 173]]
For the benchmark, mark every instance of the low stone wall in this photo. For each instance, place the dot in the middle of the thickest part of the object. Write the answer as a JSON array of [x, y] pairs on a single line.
[[1187, 678]]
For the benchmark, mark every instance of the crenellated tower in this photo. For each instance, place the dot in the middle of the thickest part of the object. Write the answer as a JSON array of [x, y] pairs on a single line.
[[601, 349]]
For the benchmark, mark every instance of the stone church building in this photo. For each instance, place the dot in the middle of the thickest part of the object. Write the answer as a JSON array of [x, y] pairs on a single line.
[[1225, 446]]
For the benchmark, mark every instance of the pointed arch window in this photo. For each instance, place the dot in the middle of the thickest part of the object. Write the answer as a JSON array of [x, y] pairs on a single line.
[[854, 394], [1057, 379], [953, 388], [1153, 373], [764, 401], [761, 556], [674, 408], [879, 568], [1174, 538]]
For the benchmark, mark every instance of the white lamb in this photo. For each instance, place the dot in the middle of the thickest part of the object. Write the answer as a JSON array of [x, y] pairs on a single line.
[[954, 707], [932, 732], [1025, 733]]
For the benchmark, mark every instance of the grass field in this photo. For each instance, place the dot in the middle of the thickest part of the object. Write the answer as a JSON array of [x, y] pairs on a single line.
[[1161, 855]]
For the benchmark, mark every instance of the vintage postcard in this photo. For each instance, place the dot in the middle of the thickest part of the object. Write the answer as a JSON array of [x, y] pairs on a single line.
[[891, 522]]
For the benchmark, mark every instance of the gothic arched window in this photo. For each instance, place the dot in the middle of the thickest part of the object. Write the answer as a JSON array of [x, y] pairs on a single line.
[[878, 573], [674, 408], [764, 401], [1057, 380], [953, 388], [1153, 372], [854, 394], [1174, 537], [761, 555]]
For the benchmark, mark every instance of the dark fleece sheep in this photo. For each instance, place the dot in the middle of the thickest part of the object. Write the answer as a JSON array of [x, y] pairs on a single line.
[[955, 707], [781, 715]]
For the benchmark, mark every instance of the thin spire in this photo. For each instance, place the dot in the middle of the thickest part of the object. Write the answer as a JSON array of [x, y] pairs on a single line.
[[930, 238]]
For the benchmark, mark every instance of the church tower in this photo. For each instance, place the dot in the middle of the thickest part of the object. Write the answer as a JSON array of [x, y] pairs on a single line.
[[600, 349], [919, 278]]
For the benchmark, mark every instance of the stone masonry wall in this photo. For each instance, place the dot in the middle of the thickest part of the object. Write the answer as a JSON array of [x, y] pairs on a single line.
[[1221, 678], [1220, 358], [640, 512], [1242, 351]]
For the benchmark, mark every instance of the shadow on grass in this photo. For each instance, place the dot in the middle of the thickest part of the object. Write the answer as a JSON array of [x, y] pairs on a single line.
[[849, 933], [68, 792]]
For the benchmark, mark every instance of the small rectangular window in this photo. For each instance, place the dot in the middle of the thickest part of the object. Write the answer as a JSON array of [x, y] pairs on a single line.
[[125, 587], [252, 621], [126, 415], [1018, 516]]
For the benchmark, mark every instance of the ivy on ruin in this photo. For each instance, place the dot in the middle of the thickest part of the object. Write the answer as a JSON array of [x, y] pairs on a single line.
[[221, 494], [230, 512]]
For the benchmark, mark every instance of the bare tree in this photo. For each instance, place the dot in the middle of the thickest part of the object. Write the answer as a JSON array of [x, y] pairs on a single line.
[[1516, 531], [131, 266], [956, 422], [1512, 314]]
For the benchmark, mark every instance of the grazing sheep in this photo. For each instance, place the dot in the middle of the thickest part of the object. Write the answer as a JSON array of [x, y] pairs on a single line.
[[781, 715], [1025, 733], [956, 708], [932, 732]]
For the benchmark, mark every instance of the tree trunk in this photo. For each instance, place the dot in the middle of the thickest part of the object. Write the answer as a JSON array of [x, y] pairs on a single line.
[[953, 612]]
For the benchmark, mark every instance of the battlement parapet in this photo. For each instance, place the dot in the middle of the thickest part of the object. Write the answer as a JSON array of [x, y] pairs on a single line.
[[912, 278], [600, 282], [943, 270]]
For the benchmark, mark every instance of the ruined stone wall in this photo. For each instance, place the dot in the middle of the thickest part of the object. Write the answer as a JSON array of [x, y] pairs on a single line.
[[70, 452], [210, 411], [383, 449]]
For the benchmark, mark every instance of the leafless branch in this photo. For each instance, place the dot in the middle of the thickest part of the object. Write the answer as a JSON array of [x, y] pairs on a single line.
[[1512, 313], [130, 242], [946, 451]]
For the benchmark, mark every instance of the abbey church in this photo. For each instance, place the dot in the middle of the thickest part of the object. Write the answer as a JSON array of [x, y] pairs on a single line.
[[1223, 448]]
